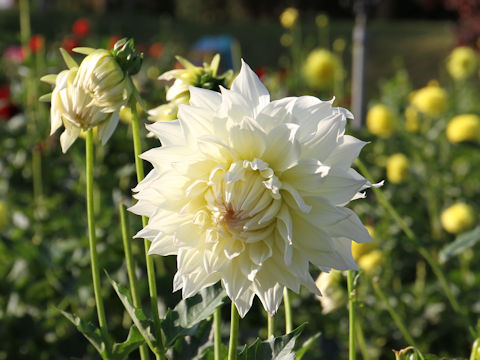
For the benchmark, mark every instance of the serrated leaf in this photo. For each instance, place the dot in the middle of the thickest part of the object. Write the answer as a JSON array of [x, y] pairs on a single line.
[[462, 242], [68, 59], [45, 98], [143, 324], [194, 347], [83, 50], [134, 341], [49, 79], [90, 331], [184, 319], [307, 345], [280, 348]]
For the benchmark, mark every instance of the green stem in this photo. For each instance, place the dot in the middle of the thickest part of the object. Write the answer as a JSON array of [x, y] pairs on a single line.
[[152, 285], [217, 335], [127, 246], [362, 345], [270, 325], [288, 312], [232, 345], [92, 240], [352, 351], [382, 199], [395, 317], [25, 28]]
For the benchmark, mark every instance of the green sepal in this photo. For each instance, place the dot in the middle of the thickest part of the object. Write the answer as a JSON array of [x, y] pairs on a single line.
[[134, 341], [49, 79], [83, 50], [306, 346], [185, 318], [125, 54], [137, 315], [462, 242], [280, 348], [90, 331], [45, 98], [68, 59]]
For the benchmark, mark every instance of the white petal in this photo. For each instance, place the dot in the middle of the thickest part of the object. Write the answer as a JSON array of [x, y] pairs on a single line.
[[206, 99], [345, 152], [169, 132], [249, 85], [106, 129], [340, 186], [68, 137], [283, 150], [351, 228]]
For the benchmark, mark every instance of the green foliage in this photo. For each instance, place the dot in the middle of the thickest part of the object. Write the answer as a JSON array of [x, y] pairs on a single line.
[[462, 243]]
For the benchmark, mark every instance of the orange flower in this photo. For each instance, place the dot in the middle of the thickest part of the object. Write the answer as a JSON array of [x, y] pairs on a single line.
[[81, 27], [36, 43]]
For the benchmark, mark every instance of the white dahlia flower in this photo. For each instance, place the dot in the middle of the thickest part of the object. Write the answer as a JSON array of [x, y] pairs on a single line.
[[71, 106], [250, 192]]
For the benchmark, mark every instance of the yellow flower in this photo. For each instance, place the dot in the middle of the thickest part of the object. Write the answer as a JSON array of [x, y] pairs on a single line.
[[286, 40], [3, 216], [126, 114], [289, 17], [412, 123], [339, 45], [380, 121], [397, 168], [360, 249], [430, 100], [462, 62], [320, 68], [370, 261], [465, 127], [458, 218], [333, 296]]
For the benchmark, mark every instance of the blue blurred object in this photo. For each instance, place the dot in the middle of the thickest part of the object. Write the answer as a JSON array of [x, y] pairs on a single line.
[[225, 45]]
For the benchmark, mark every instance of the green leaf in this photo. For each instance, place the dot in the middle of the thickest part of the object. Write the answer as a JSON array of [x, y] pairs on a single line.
[[462, 242], [307, 345], [90, 331], [68, 59], [197, 346], [46, 97], [280, 348], [184, 319], [50, 79], [83, 50], [133, 342], [137, 315]]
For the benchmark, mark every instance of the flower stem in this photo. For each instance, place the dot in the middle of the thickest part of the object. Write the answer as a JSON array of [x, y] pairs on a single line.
[[270, 325], [288, 312], [217, 335], [127, 246], [232, 345], [152, 285], [395, 317], [412, 238], [352, 351], [92, 240]]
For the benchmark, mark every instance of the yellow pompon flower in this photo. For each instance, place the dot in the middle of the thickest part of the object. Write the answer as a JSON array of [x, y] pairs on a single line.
[[397, 168], [286, 40], [465, 127], [321, 20], [370, 261], [3, 216], [380, 121], [72, 106], [320, 68], [431, 100], [249, 192], [339, 45], [412, 123], [360, 249], [462, 62], [289, 17], [458, 218], [333, 296]]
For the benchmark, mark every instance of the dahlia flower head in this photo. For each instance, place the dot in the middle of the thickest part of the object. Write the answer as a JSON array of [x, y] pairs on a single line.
[[249, 192]]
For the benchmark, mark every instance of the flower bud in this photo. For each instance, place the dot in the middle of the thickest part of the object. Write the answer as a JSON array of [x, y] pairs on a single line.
[[465, 127], [397, 168], [462, 62], [458, 218], [380, 121]]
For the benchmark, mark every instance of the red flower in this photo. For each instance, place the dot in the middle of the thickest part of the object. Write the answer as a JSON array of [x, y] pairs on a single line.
[[81, 27], [7, 109], [261, 72], [69, 43], [36, 43], [155, 50]]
